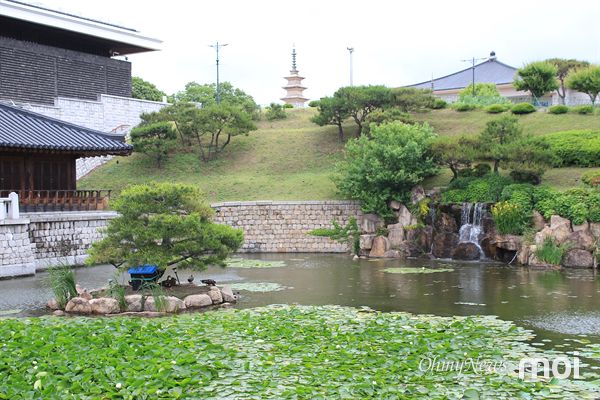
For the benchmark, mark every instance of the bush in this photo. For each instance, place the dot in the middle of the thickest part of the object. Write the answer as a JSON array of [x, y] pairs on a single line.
[[287, 105], [62, 283], [558, 109], [439, 104], [575, 148], [526, 176], [481, 170], [344, 234], [591, 178], [550, 252], [314, 103], [583, 110], [522, 108], [578, 205], [496, 108], [470, 189], [463, 107], [520, 194], [275, 111], [155, 140], [510, 218], [387, 165]]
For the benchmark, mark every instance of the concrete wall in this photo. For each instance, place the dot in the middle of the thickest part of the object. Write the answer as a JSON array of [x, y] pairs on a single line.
[[282, 226]]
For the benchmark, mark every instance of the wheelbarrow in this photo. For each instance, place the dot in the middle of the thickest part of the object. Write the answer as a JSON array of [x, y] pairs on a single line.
[[144, 273]]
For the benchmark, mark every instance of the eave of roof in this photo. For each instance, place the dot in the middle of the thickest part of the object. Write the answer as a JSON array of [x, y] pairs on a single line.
[[84, 26]]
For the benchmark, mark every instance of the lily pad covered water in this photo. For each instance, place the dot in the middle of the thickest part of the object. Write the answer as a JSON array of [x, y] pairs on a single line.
[[277, 352]]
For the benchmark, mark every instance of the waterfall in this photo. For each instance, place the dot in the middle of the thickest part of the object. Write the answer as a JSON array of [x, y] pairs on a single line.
[[471, 229]]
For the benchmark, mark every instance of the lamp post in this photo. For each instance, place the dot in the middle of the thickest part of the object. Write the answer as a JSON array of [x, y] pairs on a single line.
[[350, 50], [473, 61], [217, 46]]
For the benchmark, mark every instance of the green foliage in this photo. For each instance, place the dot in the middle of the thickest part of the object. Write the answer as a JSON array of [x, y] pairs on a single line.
[[496, 108], [62, 282], [379, 117], [360, 101], [332, 111], [387, 166], [522, 108], [344, 234], [275, 111], [287, 105], [563, 68], [580, 148], [585, 80], [487, 189], [583, 110], [409, 99], [578, 204], [538, 78], [314, 103], [558, 109], [481, 90], [155, 140], [510, 218], [551, 253], [164, 224], [117, 292], [591, 178], [520, 194], [461, 107], [207, 96], [454, 153], [154, 290], [439, 104], [144, 90], [528, 159], [495, 138], [485, 95]]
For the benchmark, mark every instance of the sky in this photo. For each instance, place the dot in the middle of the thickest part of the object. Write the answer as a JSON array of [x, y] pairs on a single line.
[[395, 42]]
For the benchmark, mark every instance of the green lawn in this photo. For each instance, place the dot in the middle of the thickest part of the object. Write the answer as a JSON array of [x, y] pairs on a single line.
[[293, 159]]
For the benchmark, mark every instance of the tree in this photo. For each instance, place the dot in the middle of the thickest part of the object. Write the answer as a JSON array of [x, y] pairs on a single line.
[[456, 154], [331, 112], [563, 68], [141, 89], [275, 111], [481, 90], [167, 225], [586, 80], [207, 95], [155, 140], [538, 78], [528, 159], [496, 137], [412, 99], [382, 116], [386, 166], [360, 101]]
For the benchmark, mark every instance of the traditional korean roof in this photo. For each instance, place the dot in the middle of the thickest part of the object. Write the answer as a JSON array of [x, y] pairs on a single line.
[[24, 130], [489, 71]]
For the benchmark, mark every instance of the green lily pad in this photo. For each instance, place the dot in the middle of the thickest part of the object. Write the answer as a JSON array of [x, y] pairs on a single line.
[[411, 270], [9, 312], [258, 286], [238, 262]]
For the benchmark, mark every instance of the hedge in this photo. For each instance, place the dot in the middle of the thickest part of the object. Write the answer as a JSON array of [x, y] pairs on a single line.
[[522, 108], [578, 147]]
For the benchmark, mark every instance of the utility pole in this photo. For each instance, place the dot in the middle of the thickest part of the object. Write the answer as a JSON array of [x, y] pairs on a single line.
[[350, 50], [217, 46], [472, 61]]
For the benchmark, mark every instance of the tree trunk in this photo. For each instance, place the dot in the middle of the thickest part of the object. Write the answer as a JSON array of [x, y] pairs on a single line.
[[340, 132], [226, 142], [496, 165]]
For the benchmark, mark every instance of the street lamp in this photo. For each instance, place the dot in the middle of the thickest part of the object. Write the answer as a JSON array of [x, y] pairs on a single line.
[[350, 50], [472, 61], [217, 46]]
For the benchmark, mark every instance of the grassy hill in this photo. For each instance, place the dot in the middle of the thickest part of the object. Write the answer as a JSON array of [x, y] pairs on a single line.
[[293, 159]]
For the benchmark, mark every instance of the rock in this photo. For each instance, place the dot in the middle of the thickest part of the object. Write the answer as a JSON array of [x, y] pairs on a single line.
[[578, 258], [228, 296], [466, 251], [444, 244], [487, 223], [538, 221], [197, 300], [405, 218], [215, 295], [366, 241], [58, 313], [595, 229], [445, 223], [419, 240], [583, 227], [79, 289], [171, 304], [557, 220], [508, 242], [134, 302], [489, 247], [85, 295], [523, 255], [356, 257], [395, 235], [78, 305], [393, 254], [104, 305], [369, 223], [417, 194], [581, 239], [381, 244], [559, 233], [53, 304], [395, 205]]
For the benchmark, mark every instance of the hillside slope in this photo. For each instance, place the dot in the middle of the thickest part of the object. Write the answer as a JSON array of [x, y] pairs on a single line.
[[293, 159]]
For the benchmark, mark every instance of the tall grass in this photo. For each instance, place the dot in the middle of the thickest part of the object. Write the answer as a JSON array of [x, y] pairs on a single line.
[[157, 293], [550, 252], [117, 291], [62, 282]]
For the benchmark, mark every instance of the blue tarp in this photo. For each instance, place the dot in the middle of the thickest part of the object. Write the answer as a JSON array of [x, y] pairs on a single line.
[[143, 269]]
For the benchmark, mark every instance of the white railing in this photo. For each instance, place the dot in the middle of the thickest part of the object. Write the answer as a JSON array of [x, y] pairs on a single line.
[[9, 206]]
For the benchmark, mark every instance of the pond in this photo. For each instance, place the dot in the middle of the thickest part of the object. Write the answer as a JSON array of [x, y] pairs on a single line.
[[561, 307]]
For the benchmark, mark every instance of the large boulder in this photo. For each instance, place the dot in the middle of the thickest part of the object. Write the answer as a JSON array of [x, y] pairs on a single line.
[[215, 295], [445, 223], [595, 229], [381, 244], [78, 305], [369, 223], [104, 305], [419, 240], [53, 304], [405, 218], [171, 304], [560, 233], [228, 296], [395, 205], [578, 258], [508, 242], [556, 221], [366, 241], [538, 221], [444, 244], [488, 246], [523, 255], [581, 239], [582, 227], [417, 194], [134, 302], [393, 254], [197, 300], [533, 261], [395, 235], [466, 251]]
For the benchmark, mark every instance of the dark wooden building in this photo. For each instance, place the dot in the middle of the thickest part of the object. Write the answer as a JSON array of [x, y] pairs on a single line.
[[37, 160], [46, 54]]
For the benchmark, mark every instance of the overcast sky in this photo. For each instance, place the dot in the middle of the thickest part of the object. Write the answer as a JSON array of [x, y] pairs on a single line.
[[396, 42]]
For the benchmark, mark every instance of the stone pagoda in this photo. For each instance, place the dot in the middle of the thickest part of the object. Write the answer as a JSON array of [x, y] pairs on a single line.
[[294, 88]]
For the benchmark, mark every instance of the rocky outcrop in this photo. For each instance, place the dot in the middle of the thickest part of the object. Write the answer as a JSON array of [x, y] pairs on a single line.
[[370, 223], [581, 239], [466, 251], [197, 301], [366, 241], [104, 305], [228, 296], [538, 221], [170, 304], [134, 303], [444, 244], [405, 217], [381, 244], [578, 258], [395, 235], [419, 240], [445, 223], [215, 295], [78, 305]]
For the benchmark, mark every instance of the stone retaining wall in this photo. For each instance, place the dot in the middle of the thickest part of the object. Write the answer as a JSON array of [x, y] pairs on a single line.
[[16, 252], [282, 226]]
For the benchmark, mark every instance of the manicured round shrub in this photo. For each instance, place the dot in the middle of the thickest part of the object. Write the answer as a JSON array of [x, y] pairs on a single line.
[[463, 107], [580, 148], [583, 110], [438, 104], [287, 105], [496, 108], [314, 103], [526, 176], [591, 178], [522, 108], [481, 170], [558, 109]]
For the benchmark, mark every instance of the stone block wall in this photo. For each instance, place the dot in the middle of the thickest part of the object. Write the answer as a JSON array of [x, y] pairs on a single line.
[[16, 253], [283, 226]]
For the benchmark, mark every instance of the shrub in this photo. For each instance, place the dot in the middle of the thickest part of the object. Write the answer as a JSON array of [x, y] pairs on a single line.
[[510, 218], [486, 189], [155, 140], [591, 178], [62, 283], [313, 103], [558, 109], [520, 194], [496, 108], [583, 110], [463, 107], [577, 148], [522, 108], [117, 292], [275, 111], [526, 176], [343, 234], [550, 252], [439, 104], [287, 105], [481, 170], [578, 205]]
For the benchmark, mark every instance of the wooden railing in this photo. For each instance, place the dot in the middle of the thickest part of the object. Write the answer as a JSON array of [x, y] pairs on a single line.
[[60, 200]]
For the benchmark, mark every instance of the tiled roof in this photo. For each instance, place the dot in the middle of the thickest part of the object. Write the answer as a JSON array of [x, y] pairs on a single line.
[[490, 71], [26, 130]]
